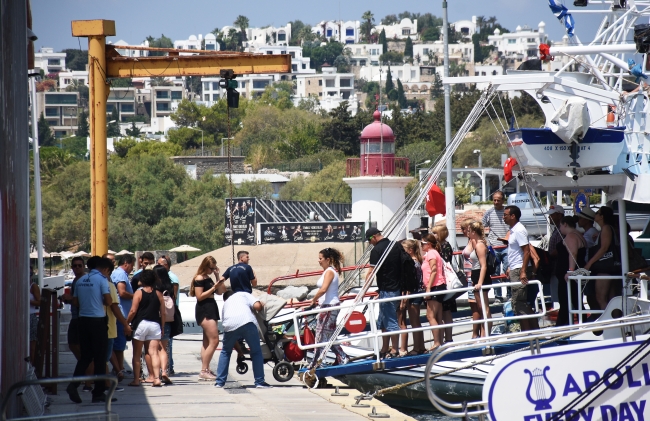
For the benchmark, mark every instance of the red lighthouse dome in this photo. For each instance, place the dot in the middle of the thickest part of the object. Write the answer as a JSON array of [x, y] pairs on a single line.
[[374, 130], [378, 151]]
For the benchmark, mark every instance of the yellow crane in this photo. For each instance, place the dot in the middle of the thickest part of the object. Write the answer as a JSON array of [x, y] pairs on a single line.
[[104, 63]]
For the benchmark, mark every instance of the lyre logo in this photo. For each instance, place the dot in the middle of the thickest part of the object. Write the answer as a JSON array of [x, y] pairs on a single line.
[[541, 387]]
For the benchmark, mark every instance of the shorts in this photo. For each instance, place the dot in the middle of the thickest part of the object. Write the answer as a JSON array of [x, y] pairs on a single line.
[[147, 331], [417, 301], [388, 311], [33, 327], [450, 305], [167, 332], [109, 349], [119, 343], [73, 332], [440, 297], [476, 275], [519, 295]]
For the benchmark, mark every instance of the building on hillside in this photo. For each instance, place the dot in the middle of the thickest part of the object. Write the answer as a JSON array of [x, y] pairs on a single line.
[[466, 28], [130, 53], [277, 181], [192, 43], [365, 54], [60, 110], [125, 101], [408, 74], [258, 37], [523, 44], [67, 78], [329, 87], [348, 32], [400, 30], [432, 53], [49, 61], [210, 43]]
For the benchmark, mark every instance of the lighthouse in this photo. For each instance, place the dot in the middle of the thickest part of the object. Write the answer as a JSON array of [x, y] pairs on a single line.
[[377, 177]]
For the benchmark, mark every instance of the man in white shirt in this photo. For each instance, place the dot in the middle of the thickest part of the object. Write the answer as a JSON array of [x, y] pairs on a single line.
[[586, 222], [518, 258], [238, 321]]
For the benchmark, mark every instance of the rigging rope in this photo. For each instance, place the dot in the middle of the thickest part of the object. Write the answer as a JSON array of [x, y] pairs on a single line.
[[230, 208]]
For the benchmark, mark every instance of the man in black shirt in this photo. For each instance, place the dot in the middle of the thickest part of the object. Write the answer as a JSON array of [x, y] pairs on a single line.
[[388, 283]]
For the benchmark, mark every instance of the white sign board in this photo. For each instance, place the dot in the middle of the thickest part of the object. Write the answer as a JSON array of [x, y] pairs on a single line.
[[525, 387]]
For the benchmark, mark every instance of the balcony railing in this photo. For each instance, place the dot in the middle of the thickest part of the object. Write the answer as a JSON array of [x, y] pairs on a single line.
[[393, 166]]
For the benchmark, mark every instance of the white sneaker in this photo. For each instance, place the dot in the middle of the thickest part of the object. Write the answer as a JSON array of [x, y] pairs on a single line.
[[263, 385], [218, 386]]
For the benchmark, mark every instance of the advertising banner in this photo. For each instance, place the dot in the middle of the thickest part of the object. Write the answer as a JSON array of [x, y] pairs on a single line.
[[243, 221], [310, 232]]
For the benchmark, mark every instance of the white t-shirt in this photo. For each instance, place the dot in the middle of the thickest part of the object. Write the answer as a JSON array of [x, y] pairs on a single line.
[[518, 238], [591, 236], [331, 297], [238, 311]]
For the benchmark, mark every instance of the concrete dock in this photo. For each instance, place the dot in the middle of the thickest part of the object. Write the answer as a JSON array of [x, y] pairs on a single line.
[[189, 398]]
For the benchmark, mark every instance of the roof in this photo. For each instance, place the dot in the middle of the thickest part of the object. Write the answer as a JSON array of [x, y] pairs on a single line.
[[476, 215], [375, 129], [271, 178]]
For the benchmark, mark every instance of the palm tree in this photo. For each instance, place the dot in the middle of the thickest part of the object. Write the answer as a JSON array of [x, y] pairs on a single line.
[[242, 23], [369, 19], [160, 81]]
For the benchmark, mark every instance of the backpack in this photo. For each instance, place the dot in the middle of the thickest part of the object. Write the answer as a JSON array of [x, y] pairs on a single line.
[[409, 279], [491, 260], [169, 307]]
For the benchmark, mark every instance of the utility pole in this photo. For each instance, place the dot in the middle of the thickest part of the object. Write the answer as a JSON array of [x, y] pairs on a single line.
[[450, 194], [37, 183]]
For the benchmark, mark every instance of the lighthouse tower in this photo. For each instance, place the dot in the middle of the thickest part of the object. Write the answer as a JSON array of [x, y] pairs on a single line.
[[377, 178]]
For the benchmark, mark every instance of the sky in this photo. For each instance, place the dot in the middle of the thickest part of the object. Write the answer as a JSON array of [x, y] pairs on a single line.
[[136, 19]]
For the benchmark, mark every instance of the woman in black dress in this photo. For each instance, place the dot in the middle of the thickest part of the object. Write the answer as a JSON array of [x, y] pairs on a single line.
[[206, 312]]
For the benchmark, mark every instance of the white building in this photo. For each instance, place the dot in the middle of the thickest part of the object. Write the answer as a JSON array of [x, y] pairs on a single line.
[[60, 110], [348, 32], [461, 53], [520, 45], [211, 43], [465, 27], [130, 53], [400, 30], [329, 87], [258, 37], [67, 77], [49, 61], [365, 54]]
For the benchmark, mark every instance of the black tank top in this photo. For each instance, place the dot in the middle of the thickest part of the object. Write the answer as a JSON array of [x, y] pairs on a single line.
[[149, 307]]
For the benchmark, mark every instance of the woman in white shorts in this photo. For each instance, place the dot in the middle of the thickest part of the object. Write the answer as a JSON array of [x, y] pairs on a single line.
[[147, 319]]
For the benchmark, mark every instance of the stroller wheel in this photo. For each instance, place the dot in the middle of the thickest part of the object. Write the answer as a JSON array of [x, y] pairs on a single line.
[[242, 368], [283, 371]]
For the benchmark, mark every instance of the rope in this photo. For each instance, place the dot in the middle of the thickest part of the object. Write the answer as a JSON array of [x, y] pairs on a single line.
[[381, 392]]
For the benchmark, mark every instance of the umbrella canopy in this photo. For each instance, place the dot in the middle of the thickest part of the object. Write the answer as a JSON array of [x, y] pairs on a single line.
[[122, 252], [66, 255], [111, 252], [184, 248], [81, 253], [34, 254]]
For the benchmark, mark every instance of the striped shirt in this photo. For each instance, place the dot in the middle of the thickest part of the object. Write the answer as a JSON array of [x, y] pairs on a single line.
[[238, 311], [498, 229]]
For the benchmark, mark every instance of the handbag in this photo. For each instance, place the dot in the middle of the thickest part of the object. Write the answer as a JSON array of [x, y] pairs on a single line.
[[491, 260], [169, 307], [452, 281], [177, 323]]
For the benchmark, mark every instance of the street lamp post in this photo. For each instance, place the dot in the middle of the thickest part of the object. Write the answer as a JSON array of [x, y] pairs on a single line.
[[480, 157], [194, 128], [428, 161], [481, 174]]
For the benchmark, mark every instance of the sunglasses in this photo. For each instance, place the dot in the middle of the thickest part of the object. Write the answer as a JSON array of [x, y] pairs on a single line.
[[77, 266]]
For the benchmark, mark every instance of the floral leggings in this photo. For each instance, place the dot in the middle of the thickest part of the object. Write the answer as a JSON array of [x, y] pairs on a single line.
[[325, 326]]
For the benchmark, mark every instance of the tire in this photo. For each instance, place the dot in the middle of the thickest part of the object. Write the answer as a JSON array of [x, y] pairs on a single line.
[[242, 368], [283, 371]]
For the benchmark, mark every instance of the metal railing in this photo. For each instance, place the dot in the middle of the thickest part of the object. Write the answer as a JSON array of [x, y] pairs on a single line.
[[105, 415], [397, 166], [580, 311], [376, 333]]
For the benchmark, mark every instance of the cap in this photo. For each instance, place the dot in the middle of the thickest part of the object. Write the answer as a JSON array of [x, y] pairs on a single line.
[[554, 209], [587, 213], [370, 232]]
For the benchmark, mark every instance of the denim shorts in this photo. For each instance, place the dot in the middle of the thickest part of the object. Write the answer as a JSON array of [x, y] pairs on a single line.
[[109, 349], [388, 311], [167, 332]]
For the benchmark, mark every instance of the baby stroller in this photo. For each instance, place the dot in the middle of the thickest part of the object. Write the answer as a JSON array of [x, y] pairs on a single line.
[[276, 346]]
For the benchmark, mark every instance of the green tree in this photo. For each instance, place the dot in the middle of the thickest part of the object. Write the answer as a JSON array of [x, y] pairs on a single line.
[[75, 59], [392, 57], [389, 86], [367, 25], [408, 48], [160, 81], [154, 147], [326, 185], [278, 95], [75, 146], [113, 129], [45, 136], [401, 98], [83, 128], [389, 20], [321, 54], [292, 189], [162, 42], [133, 131], [187, 138], [121, 82], [340, 132], [382, 40], [242, 23], [436, 87], [123, 145]]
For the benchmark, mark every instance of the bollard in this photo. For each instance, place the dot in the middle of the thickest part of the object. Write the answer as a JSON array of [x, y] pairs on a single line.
[[359, 405], [375, 414], [337, 393]]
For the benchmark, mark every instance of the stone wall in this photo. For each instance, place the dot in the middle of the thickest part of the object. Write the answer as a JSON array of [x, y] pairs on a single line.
[[214, 164]]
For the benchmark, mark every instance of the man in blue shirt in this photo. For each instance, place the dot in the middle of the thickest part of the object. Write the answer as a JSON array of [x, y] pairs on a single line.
[[242, 277], [120, 277], [91, 293]]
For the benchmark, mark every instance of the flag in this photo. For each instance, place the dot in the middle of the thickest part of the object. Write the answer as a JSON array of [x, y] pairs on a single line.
[[507, 168], [435, 203]]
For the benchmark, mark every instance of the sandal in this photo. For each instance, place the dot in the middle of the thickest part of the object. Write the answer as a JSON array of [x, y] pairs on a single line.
[[134, 384], [414, 353], [159, 384], [433, 349], [165, 378]]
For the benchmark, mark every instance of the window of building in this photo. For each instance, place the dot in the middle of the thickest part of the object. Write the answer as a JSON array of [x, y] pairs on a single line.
[[482, 73], [268, 53], [260, 84], [406, 31], [81, 81], [206, 97], [177, 95], [162, 94], [475, 73], [163, 106], [425, 51], [349, 32], [346, 83], [127, 108], [282, 36], [349, 41], [329, 33], [283, 52], [109, 108], [215, 97], [215, 86], [294, 67], [54, 62], [242, 84], [51, 111], [66, 81], [210, 47], [60, 133], [320, 82], [345, 94], [530, 40], [362, 62], [512, 41], [330, 83], [65, 99], [399, 74], [320, 94], [412, 74], [292, 54], [304, 66], [494, 72]]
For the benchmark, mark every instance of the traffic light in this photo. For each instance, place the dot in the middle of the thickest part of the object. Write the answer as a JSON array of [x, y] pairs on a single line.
[[228, 83]]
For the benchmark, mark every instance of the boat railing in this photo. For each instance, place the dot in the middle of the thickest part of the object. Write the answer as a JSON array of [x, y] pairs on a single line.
[[299, 274], [536, 341], [375, 333]]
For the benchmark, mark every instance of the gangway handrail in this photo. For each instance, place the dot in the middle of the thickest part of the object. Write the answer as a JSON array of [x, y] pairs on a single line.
[[376, 334], [533, 337], [298, 274], [580, 310]]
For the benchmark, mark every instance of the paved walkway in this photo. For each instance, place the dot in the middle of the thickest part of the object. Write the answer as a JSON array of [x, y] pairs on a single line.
[[239, 400]]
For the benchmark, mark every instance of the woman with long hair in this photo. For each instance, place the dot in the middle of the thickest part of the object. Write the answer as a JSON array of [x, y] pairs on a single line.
[[480, 275], [570, 255], [147, 319], [206, 312], [328, 296], [606, 243], [166, 288], [471, 298], [413, 305], [433, 273], [447, 253]]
